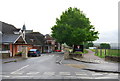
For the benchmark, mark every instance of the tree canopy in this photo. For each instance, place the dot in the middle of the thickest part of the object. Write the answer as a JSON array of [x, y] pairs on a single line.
[[105, 46], [74, 28]]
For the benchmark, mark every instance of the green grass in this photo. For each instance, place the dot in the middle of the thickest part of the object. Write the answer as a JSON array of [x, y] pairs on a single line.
[[93, 50], [85, 51], [110, 52]]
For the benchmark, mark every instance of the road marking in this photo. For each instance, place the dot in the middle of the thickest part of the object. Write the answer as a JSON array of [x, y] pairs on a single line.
[[49, 73], [80, 73], [64, 73], [30, 73], [105, 77], [97, 74], [85, 77], [19, 69], [113, 74], [17, 73], [5, 76]]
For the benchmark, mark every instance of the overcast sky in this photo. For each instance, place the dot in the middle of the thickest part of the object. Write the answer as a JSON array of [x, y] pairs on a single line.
[[40, 15]]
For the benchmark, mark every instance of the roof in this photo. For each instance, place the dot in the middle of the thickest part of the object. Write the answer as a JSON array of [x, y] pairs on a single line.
[[48, 37], [9, 38], [35, 38], [8, 28]]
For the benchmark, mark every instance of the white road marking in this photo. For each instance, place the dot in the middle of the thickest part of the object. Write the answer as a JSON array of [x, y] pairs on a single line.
[[19, 69], [49, 73], [5, 76], [64, 73], [17, 73], [85, 77], [32, 73], [97, 74], [106, 78], [80, 73], [113, 74]]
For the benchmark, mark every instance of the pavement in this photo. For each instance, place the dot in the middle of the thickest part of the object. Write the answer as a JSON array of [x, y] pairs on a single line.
[[12, 59], [98, 64]]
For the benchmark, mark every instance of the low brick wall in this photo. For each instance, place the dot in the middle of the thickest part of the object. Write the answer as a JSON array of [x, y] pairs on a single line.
[[112, 58], [75, 55], [68, 55], [5, 55]]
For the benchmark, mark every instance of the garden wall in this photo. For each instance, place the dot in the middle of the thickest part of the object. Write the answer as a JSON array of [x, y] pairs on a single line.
[[112, 58]]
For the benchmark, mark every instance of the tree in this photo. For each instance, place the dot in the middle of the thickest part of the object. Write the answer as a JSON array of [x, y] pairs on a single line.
[[104, 46], [73, 28]]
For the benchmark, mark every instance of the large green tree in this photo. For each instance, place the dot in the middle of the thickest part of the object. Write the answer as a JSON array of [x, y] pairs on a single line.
[[74, 28]]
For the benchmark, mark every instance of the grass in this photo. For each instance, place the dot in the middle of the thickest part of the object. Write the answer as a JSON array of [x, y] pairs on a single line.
[[85, 51], [93, 50], [109, 52]]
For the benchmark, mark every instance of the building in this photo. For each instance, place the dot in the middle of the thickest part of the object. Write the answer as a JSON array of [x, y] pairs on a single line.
[[35, 40], [12, 40], [51, 44]]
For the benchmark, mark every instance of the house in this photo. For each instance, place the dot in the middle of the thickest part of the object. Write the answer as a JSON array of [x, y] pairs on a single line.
[[51, 44], [12, 40], [35, 40]]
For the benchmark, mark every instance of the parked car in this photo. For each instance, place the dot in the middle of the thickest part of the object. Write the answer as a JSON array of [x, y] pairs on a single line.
[[57, 50], [34, 52]]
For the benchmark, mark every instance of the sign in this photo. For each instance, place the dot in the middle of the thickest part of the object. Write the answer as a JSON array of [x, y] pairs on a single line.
[[78, 48]]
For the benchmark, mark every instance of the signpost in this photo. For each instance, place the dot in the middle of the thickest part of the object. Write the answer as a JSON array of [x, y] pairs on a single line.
[[78, 48]]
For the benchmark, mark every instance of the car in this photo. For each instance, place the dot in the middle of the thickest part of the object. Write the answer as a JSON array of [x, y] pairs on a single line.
[[34, 52], [57, 50]]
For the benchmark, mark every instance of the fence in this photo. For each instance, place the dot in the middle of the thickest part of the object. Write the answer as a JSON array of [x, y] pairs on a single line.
[[107, 52]]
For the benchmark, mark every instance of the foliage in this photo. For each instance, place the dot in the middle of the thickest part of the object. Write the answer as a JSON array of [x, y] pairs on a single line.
[[93, 50], [109, 52], [19, 53], [78, 52], [104, 46], [73, 28], [87, 45]]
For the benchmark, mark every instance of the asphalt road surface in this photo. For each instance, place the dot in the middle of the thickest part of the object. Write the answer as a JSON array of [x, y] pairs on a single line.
[[51, 66]]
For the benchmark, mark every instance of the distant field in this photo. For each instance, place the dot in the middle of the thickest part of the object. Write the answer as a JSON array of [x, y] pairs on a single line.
[[109, 52]]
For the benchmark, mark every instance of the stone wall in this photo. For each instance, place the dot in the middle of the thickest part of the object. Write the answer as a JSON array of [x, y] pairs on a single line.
[[5, 55], [112, 58]]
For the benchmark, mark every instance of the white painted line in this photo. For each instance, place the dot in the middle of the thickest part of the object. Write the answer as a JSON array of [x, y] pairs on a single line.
[[17, 73], [19, 69], [64, 73], [5, 76], [113, 74], [49, 73], [32, 73], [97, 74], [85, 77], [105, 78], [80, 73], [21, 76]]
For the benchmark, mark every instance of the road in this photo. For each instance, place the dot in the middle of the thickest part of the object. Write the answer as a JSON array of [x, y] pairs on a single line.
[[51, 66]]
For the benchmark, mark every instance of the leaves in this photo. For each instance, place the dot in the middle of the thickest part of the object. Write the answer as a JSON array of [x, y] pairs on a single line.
[[73, 28]]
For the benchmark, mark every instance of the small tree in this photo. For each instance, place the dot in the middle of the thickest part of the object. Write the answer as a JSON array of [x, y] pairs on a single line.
[[74, 28], [104, 46]]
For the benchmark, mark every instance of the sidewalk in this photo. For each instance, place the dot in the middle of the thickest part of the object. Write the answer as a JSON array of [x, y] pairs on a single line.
[[96, 63], [12, 59]]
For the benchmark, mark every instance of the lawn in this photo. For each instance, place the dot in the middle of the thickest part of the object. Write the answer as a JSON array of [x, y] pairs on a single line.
[[109, 52]]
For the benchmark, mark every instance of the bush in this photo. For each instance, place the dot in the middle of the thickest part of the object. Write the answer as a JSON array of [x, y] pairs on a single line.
[[19, 54], [78, 52]]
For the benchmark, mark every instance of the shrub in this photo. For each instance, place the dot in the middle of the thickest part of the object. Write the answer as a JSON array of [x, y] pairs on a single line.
[[78, 52]]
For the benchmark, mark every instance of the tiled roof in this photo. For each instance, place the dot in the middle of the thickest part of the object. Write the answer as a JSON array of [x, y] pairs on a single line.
[[35, 38], [8, 28], [9, 38]]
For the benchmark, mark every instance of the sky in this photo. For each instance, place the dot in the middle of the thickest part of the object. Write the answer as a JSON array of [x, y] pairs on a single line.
[[40, 15]]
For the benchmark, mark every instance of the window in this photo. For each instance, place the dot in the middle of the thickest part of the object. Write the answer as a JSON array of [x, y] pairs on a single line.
[[5, 47]]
